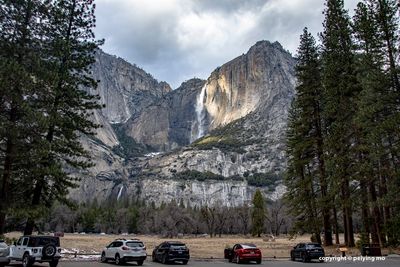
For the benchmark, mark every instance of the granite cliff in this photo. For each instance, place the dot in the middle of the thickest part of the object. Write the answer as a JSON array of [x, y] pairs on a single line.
[[207, 142]]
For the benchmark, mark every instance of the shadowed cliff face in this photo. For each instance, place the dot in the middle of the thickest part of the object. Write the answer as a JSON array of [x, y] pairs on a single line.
[[166, 124], [125, 89]]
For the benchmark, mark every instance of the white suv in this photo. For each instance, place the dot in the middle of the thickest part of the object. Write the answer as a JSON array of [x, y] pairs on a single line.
[[122, 250], [31, 249]]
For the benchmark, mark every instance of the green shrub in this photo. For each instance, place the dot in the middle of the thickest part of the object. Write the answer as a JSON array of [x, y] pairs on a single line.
[[263, 179]]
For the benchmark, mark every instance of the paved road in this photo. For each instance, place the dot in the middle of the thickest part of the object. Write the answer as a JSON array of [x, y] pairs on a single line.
[[279, 263]]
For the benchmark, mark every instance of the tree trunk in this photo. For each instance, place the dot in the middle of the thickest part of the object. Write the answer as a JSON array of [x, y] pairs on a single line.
[[37, 192], [364, 210], [336, 224], [376, 233], [326, 212]]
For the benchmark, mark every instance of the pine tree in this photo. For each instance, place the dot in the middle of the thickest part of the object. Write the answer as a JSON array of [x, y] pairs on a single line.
[[377, 116], [20, 85], [70, 52], [339, 95], [307, 134], [258, 214]]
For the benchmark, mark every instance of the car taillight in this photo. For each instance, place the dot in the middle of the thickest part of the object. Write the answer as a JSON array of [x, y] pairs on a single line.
[[125, 248]]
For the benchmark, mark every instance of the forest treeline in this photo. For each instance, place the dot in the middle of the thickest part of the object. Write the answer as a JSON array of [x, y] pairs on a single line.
[[344, 126], [166, 219], [46, 49]]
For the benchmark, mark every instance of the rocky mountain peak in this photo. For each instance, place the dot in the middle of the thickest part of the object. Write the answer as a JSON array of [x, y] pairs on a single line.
[[219, 137]]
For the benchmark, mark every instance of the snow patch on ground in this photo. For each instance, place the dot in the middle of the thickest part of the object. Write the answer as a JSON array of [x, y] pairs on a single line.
[[79, 255]]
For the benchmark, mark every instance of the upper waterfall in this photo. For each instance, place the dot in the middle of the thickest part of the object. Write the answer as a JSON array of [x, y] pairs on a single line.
[[198, 127]]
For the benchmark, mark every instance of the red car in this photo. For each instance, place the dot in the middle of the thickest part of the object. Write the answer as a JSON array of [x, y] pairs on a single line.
[[243, 253]]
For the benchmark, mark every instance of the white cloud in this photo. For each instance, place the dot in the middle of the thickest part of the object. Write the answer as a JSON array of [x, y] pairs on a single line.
[[178, 39]]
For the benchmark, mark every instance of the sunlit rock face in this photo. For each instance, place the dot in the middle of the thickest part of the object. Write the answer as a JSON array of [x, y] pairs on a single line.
[[240, 86]]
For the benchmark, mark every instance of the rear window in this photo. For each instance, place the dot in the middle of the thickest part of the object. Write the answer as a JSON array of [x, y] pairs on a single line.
[[178, 246], [249, 246], [135, 244], [43, 241], [313, 246]]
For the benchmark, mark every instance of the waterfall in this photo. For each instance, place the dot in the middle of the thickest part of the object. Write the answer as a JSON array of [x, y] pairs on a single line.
[[198, 129], [120, 192]]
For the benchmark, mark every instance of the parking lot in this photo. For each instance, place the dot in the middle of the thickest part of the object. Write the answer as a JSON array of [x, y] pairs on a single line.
[[274, 263]]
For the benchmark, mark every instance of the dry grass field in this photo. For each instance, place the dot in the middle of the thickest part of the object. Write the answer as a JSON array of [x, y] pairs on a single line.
[[200, 247]]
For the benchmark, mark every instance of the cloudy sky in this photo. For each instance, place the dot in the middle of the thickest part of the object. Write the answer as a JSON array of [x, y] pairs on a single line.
[[176, 40]]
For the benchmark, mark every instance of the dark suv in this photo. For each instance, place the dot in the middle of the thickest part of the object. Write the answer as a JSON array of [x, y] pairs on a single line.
[[31, 249], [171, 251], [307, 252]]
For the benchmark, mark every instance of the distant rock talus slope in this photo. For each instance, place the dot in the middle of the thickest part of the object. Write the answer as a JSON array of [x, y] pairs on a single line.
[[229, 128]]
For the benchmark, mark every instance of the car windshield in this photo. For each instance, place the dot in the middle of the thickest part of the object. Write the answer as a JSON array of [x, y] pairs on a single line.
[[135, 244], [313, 246], [3, 245]]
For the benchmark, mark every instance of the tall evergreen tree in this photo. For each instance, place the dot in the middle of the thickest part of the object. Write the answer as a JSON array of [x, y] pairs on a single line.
[[378, 116], [258, 214], [339, 95], [20, 122], [70, 52], [305, 142]]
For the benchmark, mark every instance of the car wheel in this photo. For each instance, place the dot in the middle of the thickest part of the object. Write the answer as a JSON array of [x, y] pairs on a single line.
[[53, 263], [153, 257], [26, 261], [49, 251], [184, 262], [103, 257], [258, 261], [140, 263], [118, 260], [304, 258], [237, 259], [292, 258], [164, 259]]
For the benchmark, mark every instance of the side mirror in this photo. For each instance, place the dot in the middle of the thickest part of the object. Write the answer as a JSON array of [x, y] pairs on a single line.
[[15, 243]]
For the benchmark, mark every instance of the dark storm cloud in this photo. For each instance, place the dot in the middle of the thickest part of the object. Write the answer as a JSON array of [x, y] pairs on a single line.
[[176, 40]]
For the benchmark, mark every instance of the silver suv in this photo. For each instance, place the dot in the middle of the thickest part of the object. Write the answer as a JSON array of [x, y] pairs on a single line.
[[4, 253], [31, 249], [123, 250]]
